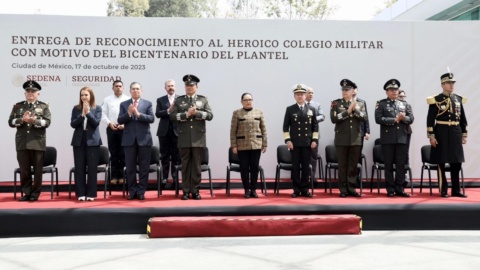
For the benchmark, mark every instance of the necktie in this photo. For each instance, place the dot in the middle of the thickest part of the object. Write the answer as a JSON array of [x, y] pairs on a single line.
[[30, 105], [301, 108], [135, 103]]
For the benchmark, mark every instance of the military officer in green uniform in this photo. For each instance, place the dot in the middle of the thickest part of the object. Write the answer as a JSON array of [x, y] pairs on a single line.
[[300, 129], [30, 117], [191, 111], [394, 116], [447, 131], [348, 114]]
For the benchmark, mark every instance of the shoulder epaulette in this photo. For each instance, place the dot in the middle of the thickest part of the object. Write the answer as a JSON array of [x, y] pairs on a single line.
[[464, 99], [431, 100]]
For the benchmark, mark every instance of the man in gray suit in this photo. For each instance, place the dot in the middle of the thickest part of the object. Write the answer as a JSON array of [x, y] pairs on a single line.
[[136, 115], [31, 118], [320, 118], [167, 132], [191, 111]]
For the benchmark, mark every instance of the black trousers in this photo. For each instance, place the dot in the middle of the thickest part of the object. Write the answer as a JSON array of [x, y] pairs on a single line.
[[191, 168], [249, 162], [314, 162], [394, 154], [347, 166], [136, 154], [26, 160], [169, 153], [117, 156], [300, 168], [86, 161], [454, 175]]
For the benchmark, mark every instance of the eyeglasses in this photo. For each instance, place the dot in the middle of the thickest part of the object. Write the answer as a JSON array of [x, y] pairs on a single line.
[[402, 96], [247, 100]]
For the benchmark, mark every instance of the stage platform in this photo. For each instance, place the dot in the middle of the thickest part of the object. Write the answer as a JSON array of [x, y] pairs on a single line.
[[116, 215]]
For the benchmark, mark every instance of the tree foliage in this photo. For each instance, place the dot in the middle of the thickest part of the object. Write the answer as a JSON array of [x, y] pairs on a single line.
[[238, 9], [298, 9], [244, 9], [127, 8]]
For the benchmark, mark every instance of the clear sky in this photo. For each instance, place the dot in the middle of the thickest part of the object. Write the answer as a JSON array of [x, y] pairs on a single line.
[[347, 9]]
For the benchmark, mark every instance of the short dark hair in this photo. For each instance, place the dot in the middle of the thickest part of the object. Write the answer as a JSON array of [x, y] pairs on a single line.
[[117, 81], [244, 94]]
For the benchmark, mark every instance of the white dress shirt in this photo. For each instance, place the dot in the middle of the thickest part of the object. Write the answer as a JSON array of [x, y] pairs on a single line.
[[111, 108]]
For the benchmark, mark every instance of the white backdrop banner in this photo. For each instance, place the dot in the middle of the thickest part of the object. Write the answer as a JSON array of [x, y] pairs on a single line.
[[263, 57]]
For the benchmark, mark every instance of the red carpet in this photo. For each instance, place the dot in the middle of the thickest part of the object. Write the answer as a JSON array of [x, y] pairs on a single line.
[[168, 200], [227, 226]]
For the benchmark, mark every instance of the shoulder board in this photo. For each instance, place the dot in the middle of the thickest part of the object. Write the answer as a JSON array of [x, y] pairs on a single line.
[[41, 102], [464, 100], [431, 100], [182, 96], [201, 96], [20, 103]]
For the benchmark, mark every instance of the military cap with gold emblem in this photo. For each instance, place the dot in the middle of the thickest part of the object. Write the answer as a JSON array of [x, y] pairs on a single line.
[[190, 79], [299, 88], [391, 84], [32, 86], [347, 84], [447, 77]]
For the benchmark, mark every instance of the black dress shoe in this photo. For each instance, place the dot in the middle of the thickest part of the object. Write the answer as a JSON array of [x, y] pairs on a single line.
[[24, 198], [458, 194], [295, 194], [343, 194], [185, 196], [141, 197], [131, 197], [306, 194], [33, 199], [247, 194], [354, 194], [444, 195], [402, 194], [390, 194], [196, 196], [253, 194]]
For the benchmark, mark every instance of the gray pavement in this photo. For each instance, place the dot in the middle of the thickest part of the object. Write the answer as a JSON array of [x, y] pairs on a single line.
[[371, 250]]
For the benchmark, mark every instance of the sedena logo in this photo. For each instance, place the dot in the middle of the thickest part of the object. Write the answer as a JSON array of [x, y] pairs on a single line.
[[18, 79]]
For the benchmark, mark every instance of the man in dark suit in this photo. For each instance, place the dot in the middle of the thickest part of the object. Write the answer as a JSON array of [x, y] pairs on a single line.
[[167, 132], [447, 131], [393, 116], [137, 115], [348, 115], [191, 111], [30, 117], [300, 129]]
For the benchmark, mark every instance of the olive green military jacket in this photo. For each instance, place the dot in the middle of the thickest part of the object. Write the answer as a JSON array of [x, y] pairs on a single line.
[[348, 126], [30, 136], [191, 130]]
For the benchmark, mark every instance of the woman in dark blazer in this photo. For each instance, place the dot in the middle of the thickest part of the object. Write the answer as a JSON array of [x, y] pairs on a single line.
[[86, 143], [248, 138]]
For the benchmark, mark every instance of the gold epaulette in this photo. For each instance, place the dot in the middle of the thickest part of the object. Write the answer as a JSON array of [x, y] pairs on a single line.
[[431, 100], [464, 100]]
